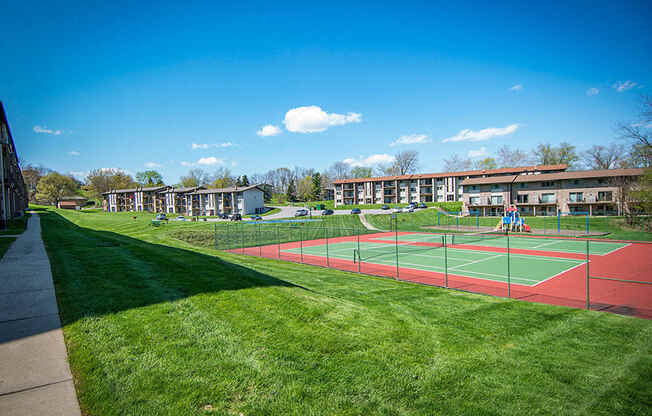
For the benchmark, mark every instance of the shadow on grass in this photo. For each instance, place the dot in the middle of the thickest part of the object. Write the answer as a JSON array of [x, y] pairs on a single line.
[[99, 272]]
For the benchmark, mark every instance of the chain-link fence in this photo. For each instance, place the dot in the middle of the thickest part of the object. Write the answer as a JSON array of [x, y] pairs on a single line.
[[603, 275]]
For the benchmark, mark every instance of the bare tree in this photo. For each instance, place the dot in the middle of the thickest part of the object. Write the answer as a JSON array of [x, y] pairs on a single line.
[[510, 158], [603, 157], [455, 163], [406, 162], [639, 135], [339, 170]]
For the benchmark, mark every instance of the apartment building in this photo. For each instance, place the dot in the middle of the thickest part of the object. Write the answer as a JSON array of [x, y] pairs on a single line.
[[428, 187], [187, 200], [13, 193], [597, 192]]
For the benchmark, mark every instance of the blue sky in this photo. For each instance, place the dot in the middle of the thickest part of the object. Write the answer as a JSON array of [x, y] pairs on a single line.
[[117, 85]]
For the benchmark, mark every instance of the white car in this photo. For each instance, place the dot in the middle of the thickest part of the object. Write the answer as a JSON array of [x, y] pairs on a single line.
[[397, 209], [409, 208], [301, 213]]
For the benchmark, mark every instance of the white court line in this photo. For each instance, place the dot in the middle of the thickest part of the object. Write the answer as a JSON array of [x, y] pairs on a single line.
[[562, 272], [476, 261], [545, 244], [614, 250]]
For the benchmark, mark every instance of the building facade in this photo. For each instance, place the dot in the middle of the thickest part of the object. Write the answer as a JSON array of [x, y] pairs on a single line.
[[429, 187], [14, 198], [595, 192], [192, 201]]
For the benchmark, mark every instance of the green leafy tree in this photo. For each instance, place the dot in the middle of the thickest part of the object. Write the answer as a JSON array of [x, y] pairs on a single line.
[[99, 181], [244, 181], [361, 172], [55, 186], [486, 163], [149, 178], [565, 153], [291, 193], [316, 186]]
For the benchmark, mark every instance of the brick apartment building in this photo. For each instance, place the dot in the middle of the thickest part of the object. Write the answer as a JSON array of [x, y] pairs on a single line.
[[597, 192], [428, 187]]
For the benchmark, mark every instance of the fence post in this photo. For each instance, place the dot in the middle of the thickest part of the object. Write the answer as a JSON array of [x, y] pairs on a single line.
[[358, 250], [301, 242], [587, 223], [445, 261], [215, 236], [478, 222], [558, 222], [396, 244], [588, 302], [438, 219], [278, 243], [328, 261], [260, 246], [242, 239], [509, 283]]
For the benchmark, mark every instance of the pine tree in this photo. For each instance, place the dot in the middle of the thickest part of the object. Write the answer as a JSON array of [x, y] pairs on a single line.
[[316, 186], [291, 192], [244, 181]]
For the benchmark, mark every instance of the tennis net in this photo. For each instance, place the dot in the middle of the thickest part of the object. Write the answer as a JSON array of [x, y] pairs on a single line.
[[476, 237], [390, 250]]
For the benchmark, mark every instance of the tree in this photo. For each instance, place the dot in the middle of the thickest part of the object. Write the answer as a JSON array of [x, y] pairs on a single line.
[[639, 136], [149, 178], [339, 170], [244, 181], [304, 188], [603, 157], [511, 158], [103, 180], [546, 154], [484, 164], [361, 172], [316, 187], [406, 162], [456, 164], [222, 178], [55, 186], [32, 174], [291, 193]]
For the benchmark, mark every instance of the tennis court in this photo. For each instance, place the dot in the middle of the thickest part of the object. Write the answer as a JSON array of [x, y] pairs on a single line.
[[559, 245], [526, 270]]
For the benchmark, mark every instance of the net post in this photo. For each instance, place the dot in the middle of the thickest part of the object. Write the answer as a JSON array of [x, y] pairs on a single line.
[[588, 301], [358, 250], [509, 283], [445, 261]]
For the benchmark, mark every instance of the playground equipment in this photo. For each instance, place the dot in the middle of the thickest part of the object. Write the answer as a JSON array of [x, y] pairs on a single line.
[[512, 221]]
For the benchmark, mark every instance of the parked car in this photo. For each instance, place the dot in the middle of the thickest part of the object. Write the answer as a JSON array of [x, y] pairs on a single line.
[[223, 216], [385, 207], [181, 218], [161, 217], [301, 213], [409, 208], [422, 205], [236, 217], [355, 211], [413, 204], [327, 212], [256, 218], [397, 209]]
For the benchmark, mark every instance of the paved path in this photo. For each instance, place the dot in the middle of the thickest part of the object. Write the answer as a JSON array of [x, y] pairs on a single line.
[[35, 377]]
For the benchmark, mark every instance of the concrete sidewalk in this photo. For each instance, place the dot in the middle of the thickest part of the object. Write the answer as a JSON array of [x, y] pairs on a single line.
[[34, 373]]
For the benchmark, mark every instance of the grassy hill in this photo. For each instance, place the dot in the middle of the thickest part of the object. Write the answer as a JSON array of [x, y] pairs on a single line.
[[154, 325]]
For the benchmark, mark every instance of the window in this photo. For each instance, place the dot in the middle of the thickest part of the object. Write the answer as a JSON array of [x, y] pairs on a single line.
[[546, 184], [497, 200], [522, 185], [496, 188], [547, 198], [577, 182], [474, 200], [450, 197], [576, 197], [522, 199], [605, 196]]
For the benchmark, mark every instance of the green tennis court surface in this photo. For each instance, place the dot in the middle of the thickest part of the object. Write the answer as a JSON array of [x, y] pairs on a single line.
[[527, 243], [524, 269]]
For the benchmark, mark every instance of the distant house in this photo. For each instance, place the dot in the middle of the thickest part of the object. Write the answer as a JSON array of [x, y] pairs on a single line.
[[72, 202]]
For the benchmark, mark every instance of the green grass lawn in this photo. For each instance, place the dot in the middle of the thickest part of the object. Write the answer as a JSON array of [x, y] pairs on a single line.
[[5, 242], [15, 226], [154, 326]]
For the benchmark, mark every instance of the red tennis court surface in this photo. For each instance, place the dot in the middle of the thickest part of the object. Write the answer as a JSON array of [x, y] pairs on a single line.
[[631, 261]]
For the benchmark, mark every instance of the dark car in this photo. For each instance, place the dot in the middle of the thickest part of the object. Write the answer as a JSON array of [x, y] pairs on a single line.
[[256, 218], [161, 217], [236, 217], [413, 204], [327, 212], [355, 211], [385, 207], [422, 205], [223, 216]]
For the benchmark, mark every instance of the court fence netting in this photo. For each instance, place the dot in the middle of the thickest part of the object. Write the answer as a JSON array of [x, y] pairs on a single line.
[[607, 275]]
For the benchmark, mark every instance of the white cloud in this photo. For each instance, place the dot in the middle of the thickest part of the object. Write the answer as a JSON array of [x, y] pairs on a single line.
[[208, 146], [269, 130], [592, 91], [478, 153], [624, 86], [370, 160], [205, 161], [234, 163], [153, 165], [45, 130], [411, 139], [312, 119], [74, 153], [468, 135], [78, 174], [517, 87]]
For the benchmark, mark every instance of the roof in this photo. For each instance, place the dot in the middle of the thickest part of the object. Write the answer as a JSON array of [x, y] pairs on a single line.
[[140, 188], [181, 190], [578, 174], [501, 171], [229, 189], [73, 198]]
